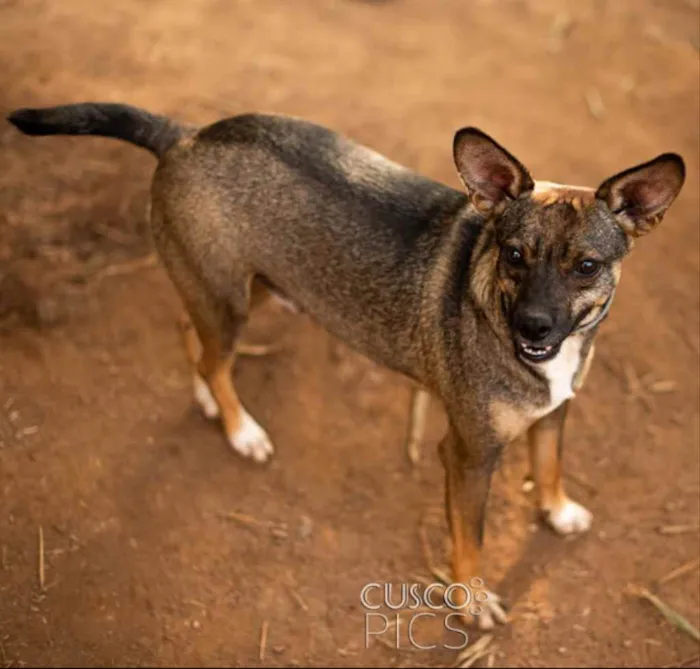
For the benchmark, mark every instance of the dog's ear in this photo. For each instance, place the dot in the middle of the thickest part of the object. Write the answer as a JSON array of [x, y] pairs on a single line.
[[491, 175], [640, 196]]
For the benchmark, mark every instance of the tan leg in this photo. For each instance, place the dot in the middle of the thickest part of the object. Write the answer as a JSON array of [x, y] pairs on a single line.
[[258, 296], [215, 372], [217, 304], [215, 367], [467, 484], [210, 352], [546, 442], [193, 348]]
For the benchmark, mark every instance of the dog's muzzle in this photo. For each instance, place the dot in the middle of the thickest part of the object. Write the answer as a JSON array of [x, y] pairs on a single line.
[[527, 349], [536, 353]]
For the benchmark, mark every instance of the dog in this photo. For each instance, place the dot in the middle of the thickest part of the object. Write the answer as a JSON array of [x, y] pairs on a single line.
[[488, 299]]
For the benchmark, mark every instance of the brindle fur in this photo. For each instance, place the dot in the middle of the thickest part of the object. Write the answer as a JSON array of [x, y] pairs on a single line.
[[404, 269]]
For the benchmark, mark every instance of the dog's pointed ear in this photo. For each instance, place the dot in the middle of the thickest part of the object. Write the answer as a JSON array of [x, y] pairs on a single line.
[[490, 174], [640, 196]]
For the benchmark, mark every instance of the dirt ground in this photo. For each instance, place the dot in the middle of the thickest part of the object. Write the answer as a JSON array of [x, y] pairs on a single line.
[[134, 491]]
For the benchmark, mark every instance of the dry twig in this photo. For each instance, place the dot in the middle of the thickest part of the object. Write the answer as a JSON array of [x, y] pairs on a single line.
[[420, 400], [475, 652], [594, 102], [675, 618], [263, 640], [678, 529], [679, 571], [42, 573]]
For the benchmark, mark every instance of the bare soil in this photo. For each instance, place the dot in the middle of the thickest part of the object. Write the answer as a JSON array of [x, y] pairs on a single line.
[[102, 448]]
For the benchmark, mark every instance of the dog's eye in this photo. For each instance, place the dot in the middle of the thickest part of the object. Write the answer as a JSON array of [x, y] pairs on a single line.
[[587, 267], [513, 256]]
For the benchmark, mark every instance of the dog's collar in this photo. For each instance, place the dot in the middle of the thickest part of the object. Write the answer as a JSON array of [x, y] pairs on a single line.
[[601, 315]]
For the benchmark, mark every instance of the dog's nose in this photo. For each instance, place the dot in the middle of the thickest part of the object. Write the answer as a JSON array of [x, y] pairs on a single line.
[[533, 324]]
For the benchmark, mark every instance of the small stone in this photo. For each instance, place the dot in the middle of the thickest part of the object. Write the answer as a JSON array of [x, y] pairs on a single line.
[[279, 532], [196, 624], [306, 528], [562, 650], [627, 643]]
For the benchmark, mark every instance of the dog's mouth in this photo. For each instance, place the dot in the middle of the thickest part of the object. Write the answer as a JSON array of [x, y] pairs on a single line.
[[526, 350], [533, 353]]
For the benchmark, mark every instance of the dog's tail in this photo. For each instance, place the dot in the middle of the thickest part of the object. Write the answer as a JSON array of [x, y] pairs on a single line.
[[149, 131]]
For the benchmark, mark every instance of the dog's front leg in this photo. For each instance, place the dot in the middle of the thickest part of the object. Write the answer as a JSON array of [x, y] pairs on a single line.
[[468, 470], [546, 443]]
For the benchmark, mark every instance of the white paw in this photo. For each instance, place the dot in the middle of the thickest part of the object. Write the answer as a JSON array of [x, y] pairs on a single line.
[[492, 612], [204, 398], [570, 518], [250, 440]]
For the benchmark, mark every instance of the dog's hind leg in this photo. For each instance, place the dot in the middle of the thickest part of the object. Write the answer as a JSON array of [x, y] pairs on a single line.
[[193, 347], [215, 368], [258, 295], [217, 319]]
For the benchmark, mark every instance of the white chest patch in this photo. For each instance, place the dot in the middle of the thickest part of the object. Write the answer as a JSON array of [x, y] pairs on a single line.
[[560, 372], [512, 420]]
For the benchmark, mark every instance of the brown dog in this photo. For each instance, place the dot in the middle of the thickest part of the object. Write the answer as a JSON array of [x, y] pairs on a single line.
[[489, 299]]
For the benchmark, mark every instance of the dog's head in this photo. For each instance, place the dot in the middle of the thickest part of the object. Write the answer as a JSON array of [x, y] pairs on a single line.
[[552, 258]]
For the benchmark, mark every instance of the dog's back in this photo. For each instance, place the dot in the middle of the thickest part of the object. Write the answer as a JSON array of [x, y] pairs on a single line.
[[270, 195]]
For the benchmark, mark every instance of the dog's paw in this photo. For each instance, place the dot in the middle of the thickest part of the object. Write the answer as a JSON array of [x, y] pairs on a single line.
[[493, 612], [250, 440], [569, 518], [204, 398]]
